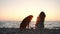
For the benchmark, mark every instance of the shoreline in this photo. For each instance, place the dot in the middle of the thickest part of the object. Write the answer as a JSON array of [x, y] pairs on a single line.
[[28, 31]]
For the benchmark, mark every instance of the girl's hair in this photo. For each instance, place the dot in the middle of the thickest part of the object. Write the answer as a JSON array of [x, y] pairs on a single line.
[[42, 14]]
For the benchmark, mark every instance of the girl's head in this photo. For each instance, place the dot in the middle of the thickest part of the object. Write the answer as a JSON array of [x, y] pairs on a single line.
[[42, 14]]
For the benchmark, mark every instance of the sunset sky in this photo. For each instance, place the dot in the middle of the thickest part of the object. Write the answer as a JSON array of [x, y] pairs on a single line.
[[19, 9]]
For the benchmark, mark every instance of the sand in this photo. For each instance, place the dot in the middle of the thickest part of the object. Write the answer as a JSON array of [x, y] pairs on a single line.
[[28, 31]]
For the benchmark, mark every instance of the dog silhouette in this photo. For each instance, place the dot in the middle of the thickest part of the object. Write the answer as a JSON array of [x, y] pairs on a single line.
[[25, 22]]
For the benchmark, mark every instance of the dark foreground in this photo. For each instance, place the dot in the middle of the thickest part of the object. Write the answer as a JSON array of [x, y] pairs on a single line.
[[28, 31]]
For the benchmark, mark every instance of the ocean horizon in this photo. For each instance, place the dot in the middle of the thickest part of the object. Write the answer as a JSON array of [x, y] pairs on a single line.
[[16, 24]]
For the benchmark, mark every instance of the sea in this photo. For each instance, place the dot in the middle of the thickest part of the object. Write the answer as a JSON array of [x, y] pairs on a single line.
[[16, 24]]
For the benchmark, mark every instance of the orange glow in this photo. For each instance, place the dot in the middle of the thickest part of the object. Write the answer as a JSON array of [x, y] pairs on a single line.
[[18, 10]]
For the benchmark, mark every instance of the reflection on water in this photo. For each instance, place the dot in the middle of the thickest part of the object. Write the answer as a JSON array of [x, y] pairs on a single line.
[[52, 24], [16, 24]]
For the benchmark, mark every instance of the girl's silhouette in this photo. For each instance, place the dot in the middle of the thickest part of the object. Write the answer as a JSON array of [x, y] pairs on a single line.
[[40, 20]]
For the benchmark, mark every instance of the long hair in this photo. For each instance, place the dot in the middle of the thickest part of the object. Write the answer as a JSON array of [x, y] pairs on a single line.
[[42, 16], [40, 20]]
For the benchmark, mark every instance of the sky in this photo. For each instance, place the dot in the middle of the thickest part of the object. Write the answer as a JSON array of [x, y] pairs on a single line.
[[19, 9]]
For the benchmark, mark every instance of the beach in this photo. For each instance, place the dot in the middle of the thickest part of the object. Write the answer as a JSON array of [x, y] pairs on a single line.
[[28, 31], [12, 27]]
